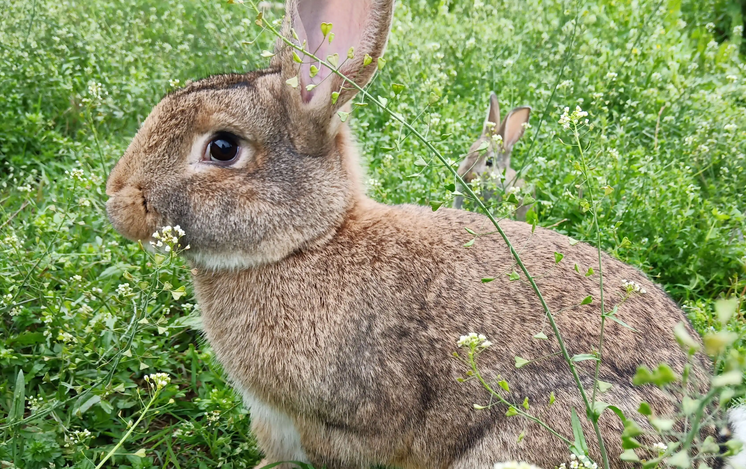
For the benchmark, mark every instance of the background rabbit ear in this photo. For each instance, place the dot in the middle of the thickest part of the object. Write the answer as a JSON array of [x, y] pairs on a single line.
[[512, 129], [493, 116], [329, 29]]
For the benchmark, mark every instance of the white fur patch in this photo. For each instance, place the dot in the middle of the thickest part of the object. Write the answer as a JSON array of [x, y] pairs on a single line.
[[282, 441], [737, 421]]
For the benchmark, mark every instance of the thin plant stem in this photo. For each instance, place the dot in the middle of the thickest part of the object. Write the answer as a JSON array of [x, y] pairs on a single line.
[[129, 432], [565, 354], [594, 211]]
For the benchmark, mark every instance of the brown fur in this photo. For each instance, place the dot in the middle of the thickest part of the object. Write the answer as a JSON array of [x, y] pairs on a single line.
[[337, 316]]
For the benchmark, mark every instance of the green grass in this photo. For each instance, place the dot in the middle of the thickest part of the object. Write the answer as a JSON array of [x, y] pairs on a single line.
[[663, 82]]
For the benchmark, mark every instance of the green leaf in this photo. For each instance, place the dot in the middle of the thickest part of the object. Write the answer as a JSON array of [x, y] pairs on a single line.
[[479, 407], [106, 407], [731, 378], [631, 429], [293, 82], [581, 357], [513, 276], [680, 459], [19, 398], [521, 362], [629, 456], [504, 384], [645, 409], [90, 402], [577, 432], [589, 272], [488, 279], [587, 300], [470, 231], [684, 339], [326, 28], [577, 269], [435, 204], [552, 398], [511, 411], [716, 343], [573, 242], [469, 243], [662, 376], [331, 37], [603, 386], [710, 446], [381, 63], [724, 309], [689, 405], [314, 70], [558, 256], [662, 425], [333, 60], [266, 54], [630, 443], [343, 115], [297, 58], [367, 60], [525, 403], [178, 293], [397, 88], [540, 336]]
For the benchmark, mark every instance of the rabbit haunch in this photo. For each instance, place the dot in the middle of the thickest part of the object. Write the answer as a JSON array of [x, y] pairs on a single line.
[[336, 316]]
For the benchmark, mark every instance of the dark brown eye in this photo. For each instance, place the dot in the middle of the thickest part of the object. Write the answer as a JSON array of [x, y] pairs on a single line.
[[223, 148]]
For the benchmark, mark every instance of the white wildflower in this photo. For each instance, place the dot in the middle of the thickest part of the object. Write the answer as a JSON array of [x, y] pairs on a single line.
[[125, 290], [474, 340], [660, 446], [158, 381], [632, 286]]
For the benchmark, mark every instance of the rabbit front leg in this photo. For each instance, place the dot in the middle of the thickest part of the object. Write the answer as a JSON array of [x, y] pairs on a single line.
[[275, 433]]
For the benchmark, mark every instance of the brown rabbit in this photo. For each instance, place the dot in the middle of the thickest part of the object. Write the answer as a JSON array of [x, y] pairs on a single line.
[[489, 157], [335, 316]]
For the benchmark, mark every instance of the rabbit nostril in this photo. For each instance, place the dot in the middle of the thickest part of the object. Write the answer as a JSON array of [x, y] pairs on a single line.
[[489, 162]]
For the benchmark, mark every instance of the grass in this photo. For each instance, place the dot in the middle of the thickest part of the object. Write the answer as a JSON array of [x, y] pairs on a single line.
[[86, 316]]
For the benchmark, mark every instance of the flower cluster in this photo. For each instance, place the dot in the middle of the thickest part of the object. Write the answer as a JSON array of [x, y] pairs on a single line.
[[168, 238], [632, 286], [579, 462], [577, 116], [473, 340], [158, 381], [124, 290], [77, 437]]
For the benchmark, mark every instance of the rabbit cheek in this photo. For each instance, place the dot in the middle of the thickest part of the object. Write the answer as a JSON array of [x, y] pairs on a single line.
[[131, 214]]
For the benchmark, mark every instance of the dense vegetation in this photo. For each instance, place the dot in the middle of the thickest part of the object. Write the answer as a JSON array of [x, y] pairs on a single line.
[[86, 316]]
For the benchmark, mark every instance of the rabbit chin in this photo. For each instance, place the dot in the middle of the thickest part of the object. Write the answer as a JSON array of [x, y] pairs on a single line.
[[233, 260]]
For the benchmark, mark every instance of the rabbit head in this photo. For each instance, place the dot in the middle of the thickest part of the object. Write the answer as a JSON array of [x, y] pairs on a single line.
[[489, 156], [255, 166]]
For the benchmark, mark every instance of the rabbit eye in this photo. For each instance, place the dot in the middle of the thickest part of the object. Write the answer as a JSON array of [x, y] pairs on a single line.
[[223, 148]]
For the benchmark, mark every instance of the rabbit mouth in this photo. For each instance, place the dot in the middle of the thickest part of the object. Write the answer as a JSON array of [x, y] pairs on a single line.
[[131, 214]]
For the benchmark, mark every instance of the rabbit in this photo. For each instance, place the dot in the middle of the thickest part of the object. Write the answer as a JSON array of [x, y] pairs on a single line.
[[335, 316], [489, 156]]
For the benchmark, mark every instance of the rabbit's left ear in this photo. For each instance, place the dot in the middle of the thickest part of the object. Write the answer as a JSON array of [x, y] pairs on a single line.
[[350, 35], [512, 129], [492, 121]]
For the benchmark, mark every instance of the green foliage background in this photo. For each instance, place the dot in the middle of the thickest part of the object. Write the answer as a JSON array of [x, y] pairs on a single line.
[[663, 82]]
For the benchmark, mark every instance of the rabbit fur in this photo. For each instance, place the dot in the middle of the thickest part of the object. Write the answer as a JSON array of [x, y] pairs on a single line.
[[489, 157], [335, 316]]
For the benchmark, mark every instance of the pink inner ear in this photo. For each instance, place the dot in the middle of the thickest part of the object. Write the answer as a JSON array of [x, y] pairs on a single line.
[[348, 19]]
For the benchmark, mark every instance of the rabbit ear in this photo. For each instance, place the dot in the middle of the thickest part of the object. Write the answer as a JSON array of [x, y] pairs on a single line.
[[513, 127], [334, 31], [492, 121]]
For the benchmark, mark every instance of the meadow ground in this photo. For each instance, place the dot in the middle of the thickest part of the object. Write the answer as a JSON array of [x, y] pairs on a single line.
[[85, 316]]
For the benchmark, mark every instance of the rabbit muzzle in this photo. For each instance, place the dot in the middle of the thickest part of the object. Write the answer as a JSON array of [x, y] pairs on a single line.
[[131, 213]]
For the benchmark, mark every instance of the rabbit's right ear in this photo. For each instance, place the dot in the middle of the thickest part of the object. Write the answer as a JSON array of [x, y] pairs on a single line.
[[350, 35], [492, 121]]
